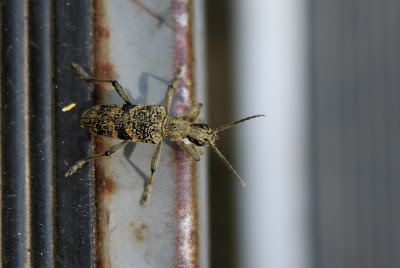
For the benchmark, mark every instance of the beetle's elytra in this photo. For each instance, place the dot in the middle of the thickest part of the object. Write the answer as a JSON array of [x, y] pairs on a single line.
[[136, 123], [149, 124]]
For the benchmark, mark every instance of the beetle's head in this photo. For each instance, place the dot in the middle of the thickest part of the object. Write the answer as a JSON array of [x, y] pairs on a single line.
[[201, 134]]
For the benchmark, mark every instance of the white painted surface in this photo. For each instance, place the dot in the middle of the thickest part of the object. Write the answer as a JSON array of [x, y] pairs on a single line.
[[142, 52], [270, 57]]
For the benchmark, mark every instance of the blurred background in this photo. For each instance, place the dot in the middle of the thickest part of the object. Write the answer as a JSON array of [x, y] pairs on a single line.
[[321, 170]]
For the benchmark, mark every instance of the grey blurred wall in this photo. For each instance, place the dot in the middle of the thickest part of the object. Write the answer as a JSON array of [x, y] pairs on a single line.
[[356, 129]]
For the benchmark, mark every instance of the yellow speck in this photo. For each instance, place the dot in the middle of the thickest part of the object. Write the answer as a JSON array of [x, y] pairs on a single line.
[[68, 107]]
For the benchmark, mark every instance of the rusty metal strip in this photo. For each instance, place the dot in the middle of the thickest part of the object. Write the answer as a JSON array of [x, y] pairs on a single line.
[[186, 183], [105, 185]]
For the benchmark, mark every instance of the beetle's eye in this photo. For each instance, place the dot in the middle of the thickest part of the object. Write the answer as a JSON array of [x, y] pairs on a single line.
[[203, 126], [197, 142]]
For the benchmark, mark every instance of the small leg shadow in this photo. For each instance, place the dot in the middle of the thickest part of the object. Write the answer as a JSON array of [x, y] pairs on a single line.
[[128, 150]]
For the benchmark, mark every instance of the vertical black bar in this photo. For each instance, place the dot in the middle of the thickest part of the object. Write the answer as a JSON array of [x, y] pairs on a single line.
[[222, 195], [15, 229], [41, 133], [75, 207], [46, 220]]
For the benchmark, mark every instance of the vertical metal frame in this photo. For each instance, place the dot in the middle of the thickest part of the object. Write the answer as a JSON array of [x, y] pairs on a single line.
[[15, 168], [47, 220], [75, 204]]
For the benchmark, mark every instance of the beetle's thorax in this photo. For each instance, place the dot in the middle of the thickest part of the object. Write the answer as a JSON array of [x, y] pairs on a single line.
[[175, 128]]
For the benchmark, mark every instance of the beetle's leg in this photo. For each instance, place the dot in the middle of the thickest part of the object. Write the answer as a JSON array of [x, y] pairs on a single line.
[[120, 90], [171, 89], [81, 162], [199, 152], [149, 185], [193, 113], [189, 150]]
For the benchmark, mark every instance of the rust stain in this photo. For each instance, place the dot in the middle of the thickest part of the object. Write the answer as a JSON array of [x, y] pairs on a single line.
[[103, 237], [139, 235], [102, 32], [103, 67], [186, 188], [106, 186], [138, 232], [105, 70]]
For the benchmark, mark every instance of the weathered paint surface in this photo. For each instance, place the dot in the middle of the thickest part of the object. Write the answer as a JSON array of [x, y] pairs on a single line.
[[140, 44]]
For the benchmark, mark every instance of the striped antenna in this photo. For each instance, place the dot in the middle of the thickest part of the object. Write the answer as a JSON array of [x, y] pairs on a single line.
[[237, 122], [227, 164]]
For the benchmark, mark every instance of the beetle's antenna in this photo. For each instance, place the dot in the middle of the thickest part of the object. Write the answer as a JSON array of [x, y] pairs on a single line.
[[227, 163], [237, 122]]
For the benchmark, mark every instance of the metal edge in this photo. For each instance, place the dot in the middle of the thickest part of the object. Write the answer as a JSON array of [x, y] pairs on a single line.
[[186, 191], [15, 184], [42, 131]]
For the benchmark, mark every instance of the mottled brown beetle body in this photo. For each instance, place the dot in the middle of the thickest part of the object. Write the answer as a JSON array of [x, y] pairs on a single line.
[[136, 123], [149, 124]]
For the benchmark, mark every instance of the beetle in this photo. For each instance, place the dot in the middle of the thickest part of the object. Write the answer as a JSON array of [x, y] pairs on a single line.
[[149, 124]]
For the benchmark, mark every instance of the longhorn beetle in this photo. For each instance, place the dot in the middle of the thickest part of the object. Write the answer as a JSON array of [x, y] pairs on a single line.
[[148, 124]]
